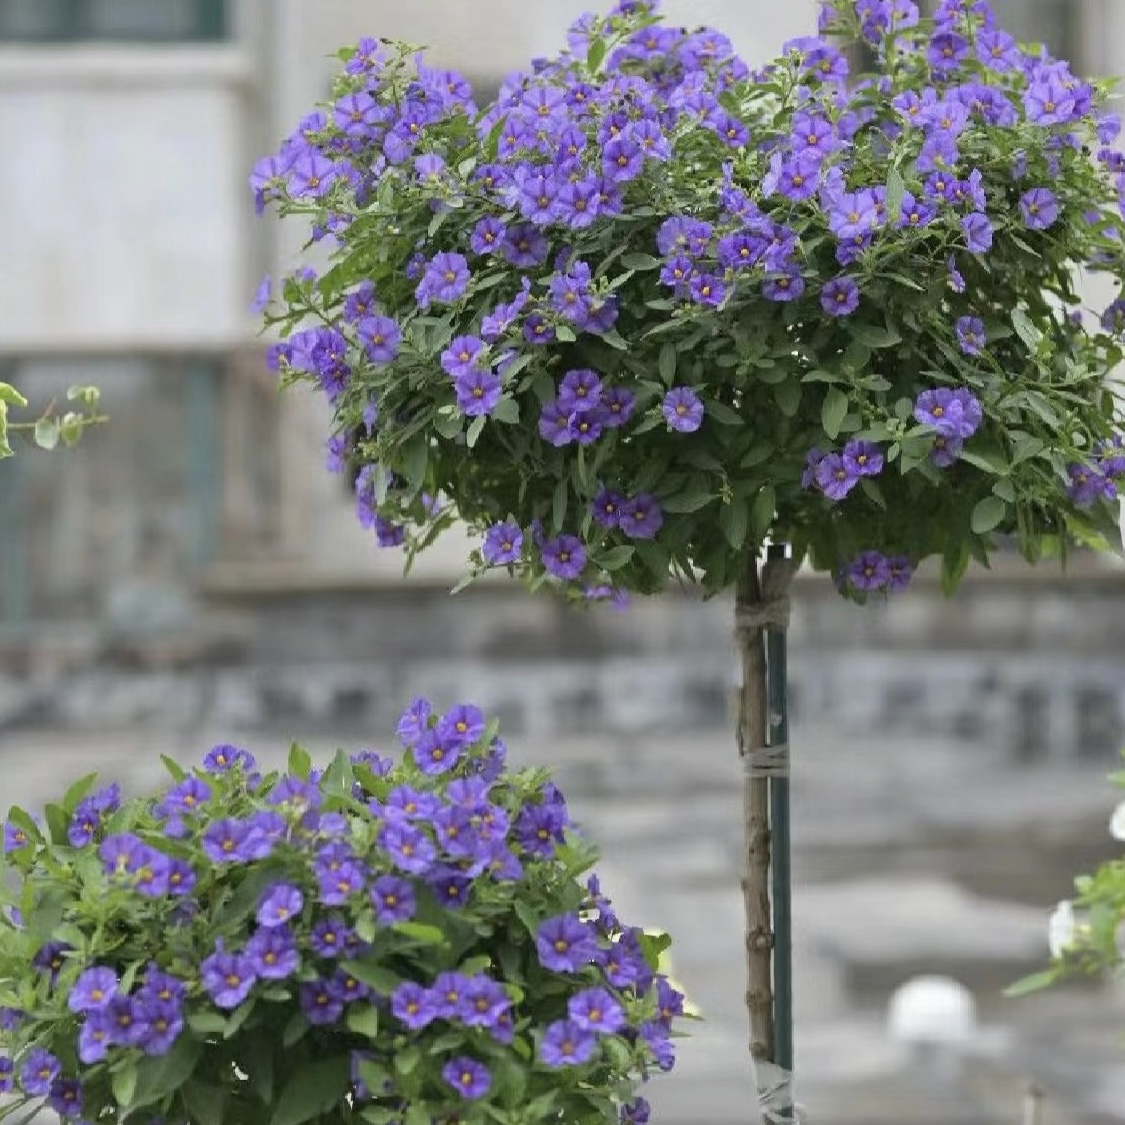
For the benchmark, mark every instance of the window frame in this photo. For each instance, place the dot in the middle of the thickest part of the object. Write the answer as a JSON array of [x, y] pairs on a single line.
[[211, 23]]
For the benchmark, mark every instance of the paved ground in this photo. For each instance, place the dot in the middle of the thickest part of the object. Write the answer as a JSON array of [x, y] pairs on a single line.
[[902, 850]]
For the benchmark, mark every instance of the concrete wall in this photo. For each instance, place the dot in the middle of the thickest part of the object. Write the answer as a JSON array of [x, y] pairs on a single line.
[[122, 199]]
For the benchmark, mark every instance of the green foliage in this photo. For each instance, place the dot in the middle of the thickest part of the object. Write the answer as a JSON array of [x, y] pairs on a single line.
[[269, 981], [48, 429], [784, 375]]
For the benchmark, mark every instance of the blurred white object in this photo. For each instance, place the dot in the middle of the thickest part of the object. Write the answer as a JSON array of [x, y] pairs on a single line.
[[1117, 822], [932, 1011], [1061, 928]]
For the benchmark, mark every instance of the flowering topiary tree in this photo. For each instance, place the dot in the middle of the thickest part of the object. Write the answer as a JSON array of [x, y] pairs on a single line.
[[410, 943], [651, 310]]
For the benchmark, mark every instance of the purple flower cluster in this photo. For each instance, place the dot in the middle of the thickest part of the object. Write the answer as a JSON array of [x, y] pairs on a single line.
[[954, 416], [583, 409], [871, 571], [836, 474]]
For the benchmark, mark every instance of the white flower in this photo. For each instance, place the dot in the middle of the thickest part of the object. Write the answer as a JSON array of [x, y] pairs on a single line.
[[1061, 928], [1117, 822]]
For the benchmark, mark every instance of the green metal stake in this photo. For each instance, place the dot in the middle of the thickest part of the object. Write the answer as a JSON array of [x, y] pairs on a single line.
[[782, 889]]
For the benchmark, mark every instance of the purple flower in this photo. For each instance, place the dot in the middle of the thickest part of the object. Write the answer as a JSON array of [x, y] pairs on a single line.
[[565, 944], [273, 953], [461, 725], [594, 1009], [279, 905], [321, 1001], [460, 358], [165, 1021], [329, 937], [899, 570], [606, 507], [10, 1019], [564, 557], [952, 413], [40, 1069], [978, 232], [641, 516], [468, 1077], [1087, 485], [833, 476], [616, 406], [683, 410], [503, 544], [435, 755], [1039, 208], [869, 571], [413, 723], [224, 758], [93, 990], [783, 287], [524, 246], [6, 1071], [227, 977], [636, 1112], [487, 236], [413, 1005], [564, 1043], [445, 279], [970, 334], [381, 337], [945, 450], [410, 849], [483, 1002], [840, 297], [450, 886], [580, 390], [393, 899], [15, 838], [227, 840], [51, 956], [863, 458], [96, 1036], [477, 392], [66, 1097]]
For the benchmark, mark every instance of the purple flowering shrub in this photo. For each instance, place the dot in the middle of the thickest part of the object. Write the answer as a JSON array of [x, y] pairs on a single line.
[[399, 943], [651, 308]]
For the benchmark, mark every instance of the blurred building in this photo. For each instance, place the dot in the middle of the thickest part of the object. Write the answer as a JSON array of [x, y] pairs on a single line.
[[131, 257]]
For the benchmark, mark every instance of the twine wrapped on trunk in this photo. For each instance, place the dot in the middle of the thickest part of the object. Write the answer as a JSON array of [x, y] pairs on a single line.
[[761, 605]]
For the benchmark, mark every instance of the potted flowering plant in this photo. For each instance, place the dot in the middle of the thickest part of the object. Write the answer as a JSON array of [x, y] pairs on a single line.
[[651, 310], [405, 943]]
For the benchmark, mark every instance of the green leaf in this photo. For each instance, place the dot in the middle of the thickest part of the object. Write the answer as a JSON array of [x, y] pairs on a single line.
[[10, 396], [474, 431], [616, 558], [788, 397], [315, 1089], [1027, 447], [1005, 490], [207, 1022], [506, 410], [300, 761], [666, 365], [160, 1076], [872, 336], [175, 770], [698, 494], [57, 824], [77, 791], [381, 979], [204, 1102], [295, 1030], [1025, 329], [595, 54], [833, 411], [47, 433], [734, 521], [722, 413], [565, 334], [407, 1061], [415, 457], [762, 513], [896, 189], [238, 1017], [558, 506], [449, 425], [988, 513], [364, 1020], [123, 1085], [639, 262], [1036, 982], [953, 566], [420, 931]]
